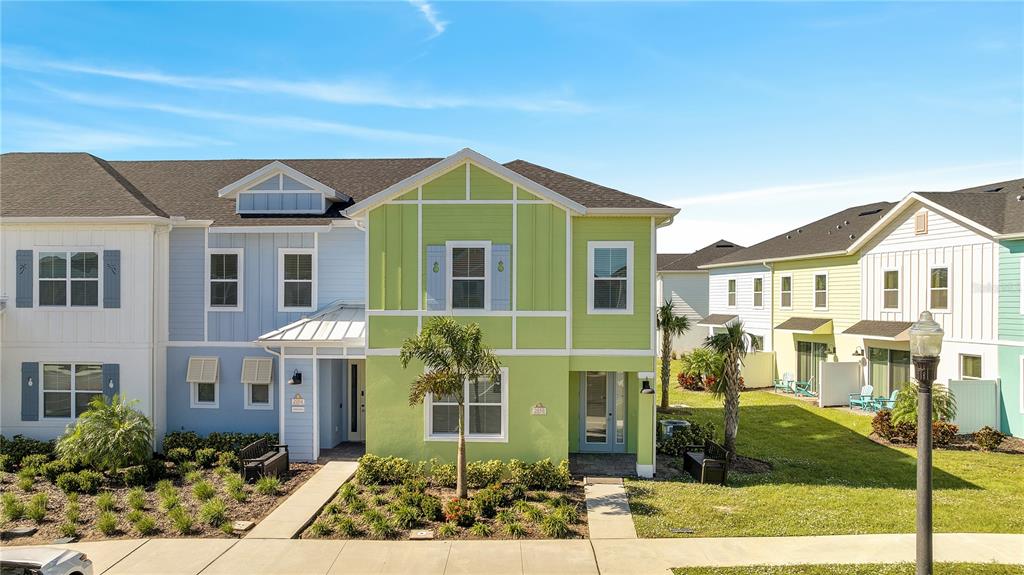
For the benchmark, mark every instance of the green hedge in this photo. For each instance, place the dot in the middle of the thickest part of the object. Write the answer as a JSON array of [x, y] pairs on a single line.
[[227, 441]]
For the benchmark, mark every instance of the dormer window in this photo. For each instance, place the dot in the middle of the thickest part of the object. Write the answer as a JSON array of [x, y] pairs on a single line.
[[280, 189]]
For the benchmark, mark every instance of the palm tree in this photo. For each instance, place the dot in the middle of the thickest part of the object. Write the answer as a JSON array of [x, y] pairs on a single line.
[[670, 325], [452, 354], [112, 434], [732, 344]]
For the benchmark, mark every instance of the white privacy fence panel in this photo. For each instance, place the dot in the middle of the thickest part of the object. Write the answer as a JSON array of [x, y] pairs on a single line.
[[977, 403], [838, 380], [758, 369]]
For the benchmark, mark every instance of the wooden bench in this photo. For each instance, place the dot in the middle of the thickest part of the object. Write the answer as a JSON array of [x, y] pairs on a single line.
[[708, 463], [262, 457]]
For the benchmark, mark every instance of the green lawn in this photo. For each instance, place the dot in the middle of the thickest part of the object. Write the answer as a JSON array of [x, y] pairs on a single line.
[[827, 478], [870, 569]]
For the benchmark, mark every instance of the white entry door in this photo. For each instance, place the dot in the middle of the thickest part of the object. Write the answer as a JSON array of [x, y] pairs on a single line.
[[356, 401]]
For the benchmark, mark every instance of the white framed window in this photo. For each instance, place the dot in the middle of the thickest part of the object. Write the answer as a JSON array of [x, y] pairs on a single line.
[[731, 294], [486, 416], [610, 277], [921, 223], [758, 292], [890, 289], [68, 278], [203, 379], [970, 366], [296, 279], [756, 342], [786, 291], [69, 387], [938, 288], [468, 281], [224, 274], [258, 380], [821, 291]]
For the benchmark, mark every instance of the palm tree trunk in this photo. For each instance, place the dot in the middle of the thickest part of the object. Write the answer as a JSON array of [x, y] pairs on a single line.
[[666, 366], [460, 458], [732, 403]]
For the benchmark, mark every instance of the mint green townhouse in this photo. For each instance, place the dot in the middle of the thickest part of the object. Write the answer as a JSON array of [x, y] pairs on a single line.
[[1011, 310], [559, 273]]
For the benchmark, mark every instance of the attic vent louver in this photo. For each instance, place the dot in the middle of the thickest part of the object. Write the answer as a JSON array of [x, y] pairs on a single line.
[[870, 212]]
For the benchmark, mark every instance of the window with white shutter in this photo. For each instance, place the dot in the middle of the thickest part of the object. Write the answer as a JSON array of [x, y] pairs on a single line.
[[258, 377], [202, 377]]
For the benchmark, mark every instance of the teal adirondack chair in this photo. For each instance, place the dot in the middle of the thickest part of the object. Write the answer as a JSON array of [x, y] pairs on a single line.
[[805, 388], [785, 385], [863, 400], [883, 403]]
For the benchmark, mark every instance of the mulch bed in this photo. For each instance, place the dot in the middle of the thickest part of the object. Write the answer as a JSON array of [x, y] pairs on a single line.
[[380, 497], [255, 508], [1012, 445]]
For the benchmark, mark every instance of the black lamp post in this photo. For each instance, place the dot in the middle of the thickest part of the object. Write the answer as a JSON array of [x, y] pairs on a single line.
[[925, 346]]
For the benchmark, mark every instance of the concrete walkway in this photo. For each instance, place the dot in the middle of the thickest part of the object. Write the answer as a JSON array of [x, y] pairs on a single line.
[[608, 514], [579, 556], [301, 507]]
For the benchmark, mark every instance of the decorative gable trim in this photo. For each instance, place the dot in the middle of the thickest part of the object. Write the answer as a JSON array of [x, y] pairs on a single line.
[[462, 156], [276, 167]]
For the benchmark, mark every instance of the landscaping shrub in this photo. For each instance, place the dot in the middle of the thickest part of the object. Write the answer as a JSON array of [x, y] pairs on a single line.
[[569, 512], [407, 516], [460, 512], [19, 447], [55, 468], [442, 474], [168, 501], [448, 529], [68, 529], [320, 528], [105, 501], [943, 433], [134, 515], [203, 491], [696, 434], [109, 436], [219, 442], [882, 425], [187, 440], [72, 511], [134, 475], [229, 459], [988, 438], [145, 525], [383, 529], [213, 512], [480, 530], [555, 526], [236, 488], [689, 382], [483, 473], [11, 507], [164, 487], [546, 475], [137, 498], [376, 470], [268, 485], [107, 523], [191, 477], [205, 457], [702, 364], [178, 455], [905, 408], [6, 463], [486, 501], [181, 520], [36, 510], [35, 461], [84, 481], [515, 530], [346, 527], [431, 508], [26, 483]]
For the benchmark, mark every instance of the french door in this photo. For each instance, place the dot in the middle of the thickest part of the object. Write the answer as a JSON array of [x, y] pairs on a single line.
[[603, 412], [809, 356]]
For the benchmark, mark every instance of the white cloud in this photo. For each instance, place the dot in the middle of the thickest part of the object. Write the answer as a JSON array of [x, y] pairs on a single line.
[[431, 15], [290, 123], [31, 134], [347, 92]]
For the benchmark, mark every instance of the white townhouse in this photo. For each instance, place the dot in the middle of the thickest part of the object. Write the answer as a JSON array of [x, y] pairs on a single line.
[[80, 312], [682, 282]]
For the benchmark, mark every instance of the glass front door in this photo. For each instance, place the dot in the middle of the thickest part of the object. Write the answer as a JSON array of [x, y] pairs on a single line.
[[603, 411]]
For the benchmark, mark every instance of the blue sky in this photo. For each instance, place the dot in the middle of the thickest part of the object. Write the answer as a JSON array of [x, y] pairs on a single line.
[[752, 118]]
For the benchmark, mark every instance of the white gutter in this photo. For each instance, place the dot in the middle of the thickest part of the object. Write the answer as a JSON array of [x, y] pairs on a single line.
[[762, 262], [86, 220]]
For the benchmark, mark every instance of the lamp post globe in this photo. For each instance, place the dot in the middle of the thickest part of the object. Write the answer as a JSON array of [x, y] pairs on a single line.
[[925, 347]]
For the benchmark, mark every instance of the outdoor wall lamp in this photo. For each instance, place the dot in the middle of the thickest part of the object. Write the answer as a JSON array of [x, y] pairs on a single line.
[[645, 382], [859, 352], [925, 347], [296, 378]]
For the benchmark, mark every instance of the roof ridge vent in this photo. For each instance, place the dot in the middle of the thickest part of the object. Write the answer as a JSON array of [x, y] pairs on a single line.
[[870, 212]]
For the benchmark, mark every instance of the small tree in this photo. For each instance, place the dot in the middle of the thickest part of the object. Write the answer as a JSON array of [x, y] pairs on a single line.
[[671, 325], [452, 354], [109, 436], [732, 344]]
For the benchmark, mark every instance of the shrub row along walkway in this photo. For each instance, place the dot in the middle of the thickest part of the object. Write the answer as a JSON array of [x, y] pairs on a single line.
[[579, 556], [296, 512]]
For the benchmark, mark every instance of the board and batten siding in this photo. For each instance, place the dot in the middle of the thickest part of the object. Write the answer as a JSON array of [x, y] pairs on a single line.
[[186, 296], [757, 321], [972, 261], [341, 259]]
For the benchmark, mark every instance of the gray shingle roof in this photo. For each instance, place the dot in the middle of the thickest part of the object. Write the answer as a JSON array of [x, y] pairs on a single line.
[[999, 206], [803, 324], [77, 184], [692, 261], [832, 233], [875, 328], [717, 319]]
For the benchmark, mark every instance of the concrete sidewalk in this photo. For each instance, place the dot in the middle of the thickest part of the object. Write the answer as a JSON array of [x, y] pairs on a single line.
[[300, 508], [573, 557], [608, 514]]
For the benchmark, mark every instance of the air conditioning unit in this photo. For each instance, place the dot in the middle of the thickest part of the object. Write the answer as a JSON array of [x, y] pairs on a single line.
[[669, 426]]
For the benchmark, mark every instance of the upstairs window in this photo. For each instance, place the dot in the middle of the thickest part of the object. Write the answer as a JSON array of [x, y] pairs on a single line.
[[786, 292], [69, 278], [297, 274], [226, 279], [469, 264], [758, 292], [69, 387], [610, 285], [820, 291], [891, 289], [938, 291], [732, 294]]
